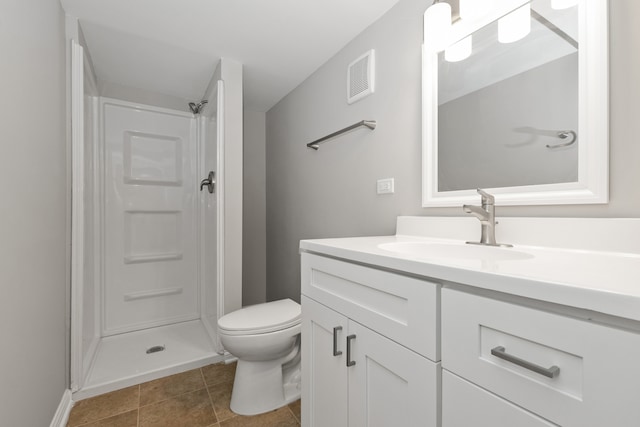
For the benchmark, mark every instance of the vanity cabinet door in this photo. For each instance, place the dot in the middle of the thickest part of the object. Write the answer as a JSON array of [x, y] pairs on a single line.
[[390, 385], [324, 375], [467, 405]]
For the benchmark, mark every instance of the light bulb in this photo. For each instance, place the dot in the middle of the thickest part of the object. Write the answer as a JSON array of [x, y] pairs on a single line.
[[459, 51], [515, 25], [561, 4], [437, 23]]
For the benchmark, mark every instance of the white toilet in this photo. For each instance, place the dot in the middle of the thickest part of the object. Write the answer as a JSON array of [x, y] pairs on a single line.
[[266, 340]]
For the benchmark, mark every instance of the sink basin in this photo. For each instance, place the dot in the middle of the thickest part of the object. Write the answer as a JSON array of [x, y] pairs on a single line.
[[450, 251]]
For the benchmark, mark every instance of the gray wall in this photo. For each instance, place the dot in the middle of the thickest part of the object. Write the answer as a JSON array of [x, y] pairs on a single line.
[[33, 189], [331, 192], [254, 268]]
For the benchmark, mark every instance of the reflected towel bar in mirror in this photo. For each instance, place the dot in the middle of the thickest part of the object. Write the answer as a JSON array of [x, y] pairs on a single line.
[[564, 135], [371, 124]]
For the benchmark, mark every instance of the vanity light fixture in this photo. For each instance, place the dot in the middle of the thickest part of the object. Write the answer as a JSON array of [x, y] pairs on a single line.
[[437, 23], [460, 50], [468, 9], [561, 4], [515, 25]]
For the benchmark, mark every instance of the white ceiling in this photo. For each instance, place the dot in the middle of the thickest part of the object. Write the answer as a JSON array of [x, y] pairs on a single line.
[[171, 47]]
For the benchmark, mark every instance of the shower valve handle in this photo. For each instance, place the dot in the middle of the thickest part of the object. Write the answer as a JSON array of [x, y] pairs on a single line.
[[210, 182]]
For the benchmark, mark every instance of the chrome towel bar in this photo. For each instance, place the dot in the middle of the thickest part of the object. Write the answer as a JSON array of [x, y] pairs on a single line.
[[371, 124]]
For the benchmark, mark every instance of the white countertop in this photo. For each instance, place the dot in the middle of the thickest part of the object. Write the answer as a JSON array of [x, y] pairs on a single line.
[[604, 281]]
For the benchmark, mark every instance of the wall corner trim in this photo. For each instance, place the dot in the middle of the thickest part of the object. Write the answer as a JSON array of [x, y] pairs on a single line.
[[64, 409]]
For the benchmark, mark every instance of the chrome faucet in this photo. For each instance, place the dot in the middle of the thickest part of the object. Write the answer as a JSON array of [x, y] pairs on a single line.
[[487, 216]]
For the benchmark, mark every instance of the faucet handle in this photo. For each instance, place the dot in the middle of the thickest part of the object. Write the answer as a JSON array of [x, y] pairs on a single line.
[[487, 199]]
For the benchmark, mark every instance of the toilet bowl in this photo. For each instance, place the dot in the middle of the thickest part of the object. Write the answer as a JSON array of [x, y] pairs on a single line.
[[266, 340]]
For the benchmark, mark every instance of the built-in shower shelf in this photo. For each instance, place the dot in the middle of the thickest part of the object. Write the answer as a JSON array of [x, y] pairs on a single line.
[[153, 293], [134, 259]]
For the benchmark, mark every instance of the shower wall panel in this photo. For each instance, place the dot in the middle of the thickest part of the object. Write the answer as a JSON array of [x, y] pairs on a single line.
[[209, 225], [90, 328], [150, 222]]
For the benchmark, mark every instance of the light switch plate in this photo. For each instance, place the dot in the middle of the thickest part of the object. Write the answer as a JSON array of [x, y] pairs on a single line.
[[385, 186]]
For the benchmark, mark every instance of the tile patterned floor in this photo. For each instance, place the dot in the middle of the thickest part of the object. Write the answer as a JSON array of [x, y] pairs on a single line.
[[197, 398]]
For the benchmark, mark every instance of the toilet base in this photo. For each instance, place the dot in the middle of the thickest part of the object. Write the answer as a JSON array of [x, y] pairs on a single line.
[[264, 386]]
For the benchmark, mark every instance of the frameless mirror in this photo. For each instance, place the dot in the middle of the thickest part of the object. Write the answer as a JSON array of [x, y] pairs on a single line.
[[526, 120]]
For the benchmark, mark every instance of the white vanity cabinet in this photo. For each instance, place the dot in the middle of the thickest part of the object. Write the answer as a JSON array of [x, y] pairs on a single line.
[[546, 333], [567, 371], [369, 347]]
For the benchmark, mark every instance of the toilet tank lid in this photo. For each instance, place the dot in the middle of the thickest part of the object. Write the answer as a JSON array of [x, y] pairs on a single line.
[[270, 315]]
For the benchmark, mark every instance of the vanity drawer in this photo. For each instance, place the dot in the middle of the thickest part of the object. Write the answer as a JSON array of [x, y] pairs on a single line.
[[597, 383], [401, 308], [466, 405]]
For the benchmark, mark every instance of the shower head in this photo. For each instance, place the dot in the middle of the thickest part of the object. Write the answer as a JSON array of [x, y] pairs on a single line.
[[196, 108]]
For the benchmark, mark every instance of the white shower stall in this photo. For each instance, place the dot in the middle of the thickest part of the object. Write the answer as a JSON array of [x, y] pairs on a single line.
[[155, 249]]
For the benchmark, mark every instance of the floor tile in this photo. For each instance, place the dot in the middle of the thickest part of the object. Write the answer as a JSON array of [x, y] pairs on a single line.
[[186, 410], [296, 409], [164, 388], [219, 373], [279, 418], [221, 399], [104, 406], [128, 419]]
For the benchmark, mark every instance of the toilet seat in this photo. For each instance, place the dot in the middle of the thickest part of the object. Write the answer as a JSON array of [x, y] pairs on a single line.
[[261, 318]]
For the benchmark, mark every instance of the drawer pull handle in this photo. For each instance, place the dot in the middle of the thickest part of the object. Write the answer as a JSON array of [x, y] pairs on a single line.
[[336, 352], [501, 353], [349, 361]]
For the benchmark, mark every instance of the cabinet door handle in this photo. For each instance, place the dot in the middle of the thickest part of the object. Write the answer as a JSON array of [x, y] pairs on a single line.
[[501, 353], [349, 339], [336, 352]]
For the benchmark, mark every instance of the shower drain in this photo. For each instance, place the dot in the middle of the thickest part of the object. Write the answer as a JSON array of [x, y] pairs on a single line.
[[155, 349]]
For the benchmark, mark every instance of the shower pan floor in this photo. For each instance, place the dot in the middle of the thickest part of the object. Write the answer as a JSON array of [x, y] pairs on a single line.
[[122, 360]]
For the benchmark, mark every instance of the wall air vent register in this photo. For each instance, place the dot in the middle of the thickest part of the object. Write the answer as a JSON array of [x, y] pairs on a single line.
[[361, 77]]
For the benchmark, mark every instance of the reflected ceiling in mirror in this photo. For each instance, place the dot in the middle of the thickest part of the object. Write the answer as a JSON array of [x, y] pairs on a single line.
[[510, 117]]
